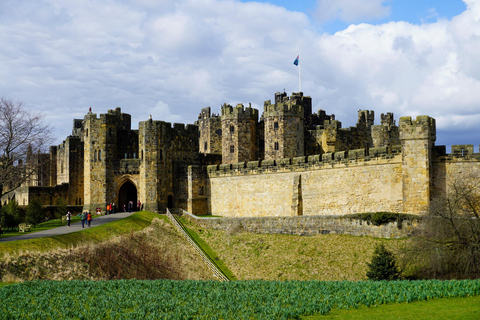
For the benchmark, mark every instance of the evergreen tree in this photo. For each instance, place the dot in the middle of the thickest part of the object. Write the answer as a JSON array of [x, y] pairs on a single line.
[[12, 216], [383, 265], [34, 212], [61, 209]]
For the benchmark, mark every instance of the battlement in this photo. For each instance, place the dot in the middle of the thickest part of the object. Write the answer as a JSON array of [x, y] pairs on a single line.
[[166, 126], [331, 124], [460, 152], [365, 118], [113, 117], [293, 106], [239, 112], [341, 159], [387, 119], [422, 128], [205, 114]]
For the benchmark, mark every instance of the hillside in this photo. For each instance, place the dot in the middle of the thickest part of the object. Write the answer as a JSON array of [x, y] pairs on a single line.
[[252, 256], [156, 252]]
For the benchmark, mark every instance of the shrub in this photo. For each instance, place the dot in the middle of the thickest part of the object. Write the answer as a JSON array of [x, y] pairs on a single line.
[[34, 212], [12, 215], [383, 265]]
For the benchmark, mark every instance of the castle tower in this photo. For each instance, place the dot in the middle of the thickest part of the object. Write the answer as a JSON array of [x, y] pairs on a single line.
[[210, 129], [239, 133], [284, 126], [101, 148], [364, 128], [386, 134], [152, 165], [417, 138]]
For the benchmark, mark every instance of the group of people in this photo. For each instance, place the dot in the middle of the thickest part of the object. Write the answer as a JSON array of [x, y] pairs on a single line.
[[110, 208], [85, 216]]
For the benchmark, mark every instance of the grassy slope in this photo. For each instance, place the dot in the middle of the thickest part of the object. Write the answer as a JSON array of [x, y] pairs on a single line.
[[289, 257], [172, 247], [135, 222]]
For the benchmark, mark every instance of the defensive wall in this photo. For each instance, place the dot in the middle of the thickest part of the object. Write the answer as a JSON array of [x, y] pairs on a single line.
[[306, 225], [310, 186], [328, 185]]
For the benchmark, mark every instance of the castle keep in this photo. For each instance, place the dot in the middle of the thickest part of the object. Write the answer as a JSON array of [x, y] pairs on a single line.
[[283, 161]]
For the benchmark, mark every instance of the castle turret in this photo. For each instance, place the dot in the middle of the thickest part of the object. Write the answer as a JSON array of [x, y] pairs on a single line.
[[210, 129], [417, 138], [239, 134], [284, 127], [386, 134]]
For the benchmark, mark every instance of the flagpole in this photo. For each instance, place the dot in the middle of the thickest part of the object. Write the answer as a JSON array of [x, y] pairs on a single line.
[[299, 77]]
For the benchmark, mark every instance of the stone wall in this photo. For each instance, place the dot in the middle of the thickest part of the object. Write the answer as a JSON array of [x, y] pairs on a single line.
[[306, 186], [306, 226]]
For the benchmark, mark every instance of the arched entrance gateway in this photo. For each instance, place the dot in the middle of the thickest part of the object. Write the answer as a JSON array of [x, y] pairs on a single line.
[[127, 193]]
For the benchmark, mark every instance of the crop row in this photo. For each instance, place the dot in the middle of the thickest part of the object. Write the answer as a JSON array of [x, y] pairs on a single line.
[[166, 299]]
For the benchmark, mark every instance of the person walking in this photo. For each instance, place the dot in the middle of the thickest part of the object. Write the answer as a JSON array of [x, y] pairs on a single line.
[[84, 219], [69, 218], [89, 218]]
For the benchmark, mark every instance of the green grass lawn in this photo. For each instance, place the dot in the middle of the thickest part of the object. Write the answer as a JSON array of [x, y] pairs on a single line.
[[451, 308]]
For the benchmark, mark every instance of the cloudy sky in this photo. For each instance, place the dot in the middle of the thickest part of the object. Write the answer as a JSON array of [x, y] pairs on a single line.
[[172, 58]]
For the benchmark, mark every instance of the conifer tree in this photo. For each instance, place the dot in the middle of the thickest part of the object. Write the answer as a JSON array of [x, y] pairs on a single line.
[[383, 265]]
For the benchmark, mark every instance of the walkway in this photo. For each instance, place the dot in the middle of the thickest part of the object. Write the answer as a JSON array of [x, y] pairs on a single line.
[[73, 227]]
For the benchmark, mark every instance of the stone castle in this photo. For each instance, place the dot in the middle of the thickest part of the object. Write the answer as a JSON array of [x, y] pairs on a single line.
[[287, 161]]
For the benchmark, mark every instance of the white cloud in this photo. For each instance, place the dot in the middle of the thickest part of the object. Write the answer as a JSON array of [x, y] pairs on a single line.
[[172, 58]]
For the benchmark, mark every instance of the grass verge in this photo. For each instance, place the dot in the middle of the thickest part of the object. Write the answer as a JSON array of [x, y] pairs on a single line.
[[135, 222], [446, 308], [208, 250]]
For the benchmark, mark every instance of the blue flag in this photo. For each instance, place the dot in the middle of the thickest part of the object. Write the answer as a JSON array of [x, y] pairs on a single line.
[[296, 60]]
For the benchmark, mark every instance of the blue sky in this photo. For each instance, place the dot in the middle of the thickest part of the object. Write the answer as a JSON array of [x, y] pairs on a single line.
[[171, 58], [413, 11]]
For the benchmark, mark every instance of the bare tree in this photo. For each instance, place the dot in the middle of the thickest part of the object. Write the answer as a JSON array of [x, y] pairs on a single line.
[[448, 244], [23, 138]]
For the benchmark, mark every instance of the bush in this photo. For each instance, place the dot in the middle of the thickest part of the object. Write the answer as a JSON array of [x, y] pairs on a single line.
[[12, 215], [61, 209], [383, 265], [34, 212]]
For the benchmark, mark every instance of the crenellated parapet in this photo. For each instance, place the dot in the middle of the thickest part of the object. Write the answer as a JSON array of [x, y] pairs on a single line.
[[387, 133], [341, 159], [286, 108], [240, 112], [423, 127]]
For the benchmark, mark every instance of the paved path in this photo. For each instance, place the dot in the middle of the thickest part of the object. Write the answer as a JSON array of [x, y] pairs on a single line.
[[73, 227]]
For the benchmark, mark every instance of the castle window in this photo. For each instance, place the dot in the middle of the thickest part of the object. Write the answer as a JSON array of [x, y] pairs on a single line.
[[86, 133], [141, 155], [134, 155], [99, 155], [219, 132], [232, 129], [232, 149], [126, 154], [205, 147], [161, 154], [94, 155], [275, 125], [276, 146]]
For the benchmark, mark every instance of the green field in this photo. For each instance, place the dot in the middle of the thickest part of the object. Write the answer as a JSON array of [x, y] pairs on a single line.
[[251, 299], [167, 299]]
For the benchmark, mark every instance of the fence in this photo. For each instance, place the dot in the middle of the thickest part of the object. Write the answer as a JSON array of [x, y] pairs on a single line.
[[216, 271]]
